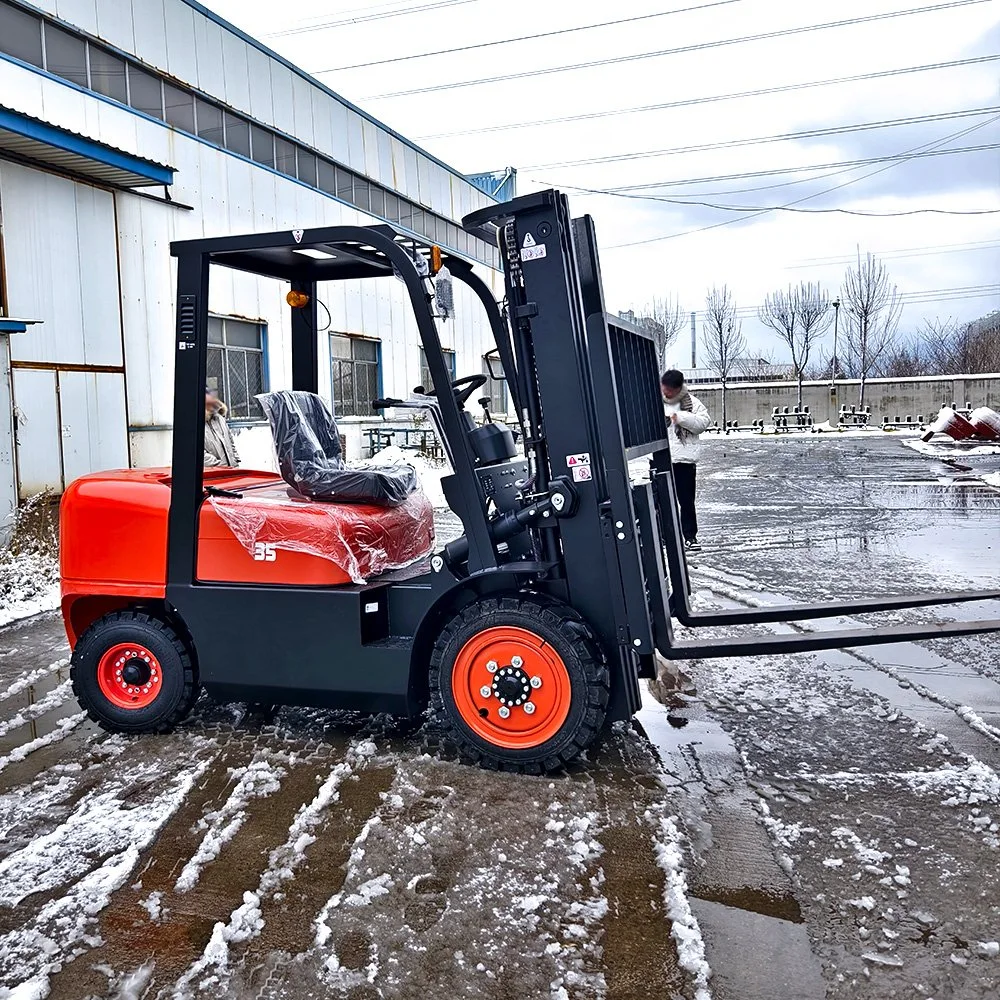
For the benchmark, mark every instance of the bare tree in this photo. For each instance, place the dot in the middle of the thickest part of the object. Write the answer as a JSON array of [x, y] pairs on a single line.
[[722, 337], [800, 317], [872, 306], [663, 318]]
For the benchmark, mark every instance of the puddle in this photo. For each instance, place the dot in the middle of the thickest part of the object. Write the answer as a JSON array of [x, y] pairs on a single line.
[[735, 863]]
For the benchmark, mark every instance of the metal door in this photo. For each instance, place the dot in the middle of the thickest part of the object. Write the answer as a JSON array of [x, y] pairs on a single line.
[[37, 431], [92, 414]]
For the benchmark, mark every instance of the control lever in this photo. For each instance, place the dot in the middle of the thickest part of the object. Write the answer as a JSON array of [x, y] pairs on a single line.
[[485, 404], [387, 403]]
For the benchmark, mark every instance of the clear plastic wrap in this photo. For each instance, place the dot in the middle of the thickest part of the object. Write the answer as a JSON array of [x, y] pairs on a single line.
[[310, 456], [362, 539]]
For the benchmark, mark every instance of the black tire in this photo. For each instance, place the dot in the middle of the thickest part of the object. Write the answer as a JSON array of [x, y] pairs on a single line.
[[569, 636], [179, 687]]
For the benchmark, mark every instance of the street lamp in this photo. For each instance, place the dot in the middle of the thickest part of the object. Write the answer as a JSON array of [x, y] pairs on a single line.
[[833, 364]]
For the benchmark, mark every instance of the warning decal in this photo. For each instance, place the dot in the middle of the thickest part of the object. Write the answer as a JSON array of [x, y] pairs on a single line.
[[582, 459], [530, 250], [582, 474]]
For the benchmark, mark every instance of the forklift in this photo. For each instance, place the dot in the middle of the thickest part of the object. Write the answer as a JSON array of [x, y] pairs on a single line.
[[526, 636]]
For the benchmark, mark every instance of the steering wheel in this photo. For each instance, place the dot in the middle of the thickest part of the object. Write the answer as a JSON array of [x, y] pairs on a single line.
[[471, 383]]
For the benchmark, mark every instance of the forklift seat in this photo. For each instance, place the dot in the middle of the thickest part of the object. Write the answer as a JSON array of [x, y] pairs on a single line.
[[310, 455]]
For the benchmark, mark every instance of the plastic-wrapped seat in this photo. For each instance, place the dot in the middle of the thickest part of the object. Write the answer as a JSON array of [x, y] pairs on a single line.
[[310, 456]]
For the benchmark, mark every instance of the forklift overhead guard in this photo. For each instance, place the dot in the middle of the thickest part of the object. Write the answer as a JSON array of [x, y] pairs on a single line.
[[527, 634]]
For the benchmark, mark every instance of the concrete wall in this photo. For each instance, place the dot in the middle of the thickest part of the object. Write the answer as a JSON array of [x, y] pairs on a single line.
[[746, 402]]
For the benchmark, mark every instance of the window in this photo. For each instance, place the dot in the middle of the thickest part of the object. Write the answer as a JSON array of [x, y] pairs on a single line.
[[354, 370], [235, 366], [327, 177], [307, 167], [145, 92], [237, 135], [20, 35], [179, 106], [107, 74], [425, 373], [263, 145], [65, 55], [495, 388], [361, 196], [210, 123], [391, 207], [345, 185], [377, 200], [284, 156]]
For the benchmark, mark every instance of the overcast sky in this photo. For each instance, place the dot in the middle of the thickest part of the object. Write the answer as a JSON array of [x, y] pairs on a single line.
[[928, 254]]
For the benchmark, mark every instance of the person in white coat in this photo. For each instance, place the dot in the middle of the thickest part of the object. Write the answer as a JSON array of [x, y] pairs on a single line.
[[687, 417]]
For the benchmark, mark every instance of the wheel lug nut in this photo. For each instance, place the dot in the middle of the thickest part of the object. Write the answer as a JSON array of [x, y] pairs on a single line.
[[492, 666], [516, 661], [503, 712], [486, 690], [529, 708], [536, 682]]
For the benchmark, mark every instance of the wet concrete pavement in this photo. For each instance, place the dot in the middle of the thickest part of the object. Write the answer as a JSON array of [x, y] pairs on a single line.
[[826, 824]]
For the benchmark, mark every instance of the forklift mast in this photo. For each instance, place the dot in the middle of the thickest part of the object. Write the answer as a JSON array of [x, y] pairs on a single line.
[[587, 391]]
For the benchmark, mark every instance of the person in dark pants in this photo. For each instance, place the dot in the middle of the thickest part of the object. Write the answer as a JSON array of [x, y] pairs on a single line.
[[687, 417]]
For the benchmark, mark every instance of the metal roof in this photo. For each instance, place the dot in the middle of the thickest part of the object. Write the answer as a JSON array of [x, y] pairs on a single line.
[[31, 139]]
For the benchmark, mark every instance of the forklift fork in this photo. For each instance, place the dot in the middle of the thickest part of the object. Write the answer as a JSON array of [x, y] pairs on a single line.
[[679, 604]]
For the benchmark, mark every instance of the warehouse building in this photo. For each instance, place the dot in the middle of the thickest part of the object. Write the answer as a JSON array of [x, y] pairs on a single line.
[[125, 124]]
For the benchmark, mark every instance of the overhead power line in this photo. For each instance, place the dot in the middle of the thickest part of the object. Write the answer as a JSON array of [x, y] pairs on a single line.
[[714, 98], [815, 133], [362, 18], [749, 175], [525, 38], [788, 206], [900, 253], [696, 47]]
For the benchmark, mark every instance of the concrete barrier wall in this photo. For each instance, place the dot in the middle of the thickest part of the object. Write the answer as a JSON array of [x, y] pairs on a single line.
[[749, 401]]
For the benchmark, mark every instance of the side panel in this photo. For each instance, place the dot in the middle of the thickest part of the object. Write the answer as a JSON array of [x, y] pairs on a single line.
[[93, 422], [8, 479], [38, 432]]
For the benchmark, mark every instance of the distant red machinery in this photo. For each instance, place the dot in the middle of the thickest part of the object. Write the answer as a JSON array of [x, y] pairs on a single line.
[[982, 424]]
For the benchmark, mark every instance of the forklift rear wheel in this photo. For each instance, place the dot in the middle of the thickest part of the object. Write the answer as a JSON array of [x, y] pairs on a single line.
[[519, 684], [132, 673]]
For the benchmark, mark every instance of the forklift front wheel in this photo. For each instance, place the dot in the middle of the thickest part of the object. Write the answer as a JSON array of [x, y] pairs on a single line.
[[132, 673], [519, 684]]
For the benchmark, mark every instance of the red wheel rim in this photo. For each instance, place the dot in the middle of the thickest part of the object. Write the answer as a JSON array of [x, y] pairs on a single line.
[[129, 676], [511, 688]]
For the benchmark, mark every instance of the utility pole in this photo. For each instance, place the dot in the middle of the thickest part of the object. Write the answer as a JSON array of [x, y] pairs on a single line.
[[694, 341], [833, 363]]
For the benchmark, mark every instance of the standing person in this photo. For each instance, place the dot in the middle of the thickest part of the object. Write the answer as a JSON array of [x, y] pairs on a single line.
[[687, 417], [220, 448]]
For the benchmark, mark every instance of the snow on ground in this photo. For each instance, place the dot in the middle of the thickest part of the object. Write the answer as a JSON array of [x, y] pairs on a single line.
[[31, 678], [90, 856], [429, 471], [943, 447], [259, 779], [24, 602]]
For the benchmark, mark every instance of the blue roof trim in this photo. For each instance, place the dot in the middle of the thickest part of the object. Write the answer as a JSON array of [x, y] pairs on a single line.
[[70, 142], [298, 71], [13, 325]]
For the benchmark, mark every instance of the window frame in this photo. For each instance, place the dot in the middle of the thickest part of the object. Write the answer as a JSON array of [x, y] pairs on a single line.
[[225, 349], [358, 408], [451, 356]]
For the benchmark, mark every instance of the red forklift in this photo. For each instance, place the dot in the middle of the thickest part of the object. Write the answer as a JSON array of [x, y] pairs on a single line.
[[526, 635]]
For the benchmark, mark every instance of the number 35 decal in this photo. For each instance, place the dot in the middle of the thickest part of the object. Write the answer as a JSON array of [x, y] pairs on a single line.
[[264, 552]]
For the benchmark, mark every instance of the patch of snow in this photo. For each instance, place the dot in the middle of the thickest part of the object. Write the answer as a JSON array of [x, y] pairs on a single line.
[[684, 925], [429, 472], [258, 780], [53, 699], [943, 447], [32, 677], [17, 607], [63, 728], [992, 479], [66, 923], [246, 921], [153, 905], [988, 949], [134, 985], [864, 903], [367, 891], [36, 988]]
